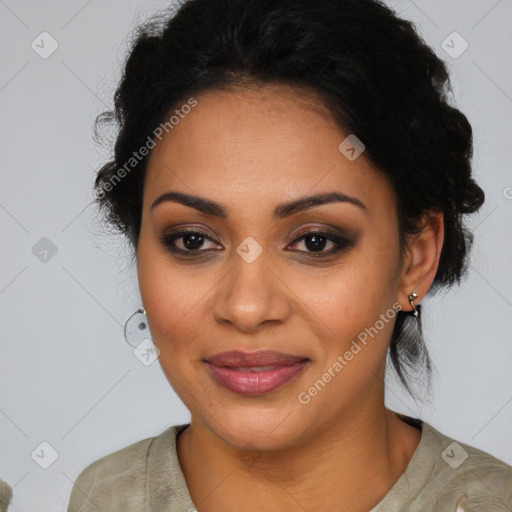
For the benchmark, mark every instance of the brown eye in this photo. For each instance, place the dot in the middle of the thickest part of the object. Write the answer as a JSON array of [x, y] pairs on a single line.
[[192, 242], [316, 241]]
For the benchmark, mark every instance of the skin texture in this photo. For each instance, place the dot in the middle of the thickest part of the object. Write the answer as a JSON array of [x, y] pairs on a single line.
[[250, 151]]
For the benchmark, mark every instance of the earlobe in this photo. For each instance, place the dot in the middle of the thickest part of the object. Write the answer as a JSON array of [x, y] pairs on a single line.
[[422, 261]]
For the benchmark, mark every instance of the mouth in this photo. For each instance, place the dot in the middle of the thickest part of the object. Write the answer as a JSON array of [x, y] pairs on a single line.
[[255, 373]]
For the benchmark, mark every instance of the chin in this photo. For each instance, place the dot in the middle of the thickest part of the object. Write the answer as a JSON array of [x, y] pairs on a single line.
[[257, 429]]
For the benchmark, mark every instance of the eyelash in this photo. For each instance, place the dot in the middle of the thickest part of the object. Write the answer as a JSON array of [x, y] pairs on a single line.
[[341, 243]]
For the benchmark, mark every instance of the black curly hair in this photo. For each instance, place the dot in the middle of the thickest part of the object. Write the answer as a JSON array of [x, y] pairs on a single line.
[[376, 75]]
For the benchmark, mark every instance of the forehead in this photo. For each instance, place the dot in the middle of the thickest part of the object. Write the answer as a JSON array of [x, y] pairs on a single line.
[[264, 144]]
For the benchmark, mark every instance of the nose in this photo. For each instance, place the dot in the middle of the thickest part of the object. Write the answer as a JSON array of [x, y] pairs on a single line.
[[251, 294]]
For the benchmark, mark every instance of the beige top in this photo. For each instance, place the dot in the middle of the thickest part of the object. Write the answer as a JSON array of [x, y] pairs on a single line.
[[442, 476]]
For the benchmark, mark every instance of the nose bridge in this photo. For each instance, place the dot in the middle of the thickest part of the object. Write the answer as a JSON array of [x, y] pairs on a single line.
[[251, 294]]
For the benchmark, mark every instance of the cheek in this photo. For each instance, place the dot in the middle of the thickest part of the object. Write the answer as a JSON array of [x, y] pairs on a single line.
[[352, 293], [173, 301], [169, 294], [350, 311]]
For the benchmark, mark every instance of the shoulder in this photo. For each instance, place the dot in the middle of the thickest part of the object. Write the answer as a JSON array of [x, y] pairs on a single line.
[[463, 476], [116, 481]]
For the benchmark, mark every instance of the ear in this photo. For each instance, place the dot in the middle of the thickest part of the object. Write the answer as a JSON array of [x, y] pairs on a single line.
[[421, 259]]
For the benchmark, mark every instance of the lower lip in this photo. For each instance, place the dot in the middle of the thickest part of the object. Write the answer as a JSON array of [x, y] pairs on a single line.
[[255, 383]]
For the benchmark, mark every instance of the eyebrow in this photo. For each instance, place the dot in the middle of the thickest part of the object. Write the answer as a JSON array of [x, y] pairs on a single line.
[[281, 211]]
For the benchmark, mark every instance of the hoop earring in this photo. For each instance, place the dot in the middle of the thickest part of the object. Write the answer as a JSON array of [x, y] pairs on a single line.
[[415, 309], [141, 333]]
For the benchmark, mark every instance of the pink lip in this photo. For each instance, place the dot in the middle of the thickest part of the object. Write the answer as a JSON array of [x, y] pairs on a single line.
[[224, 369], [260, 358]]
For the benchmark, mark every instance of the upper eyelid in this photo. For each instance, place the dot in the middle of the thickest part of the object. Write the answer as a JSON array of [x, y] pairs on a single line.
[[305, 231], [318, 225]]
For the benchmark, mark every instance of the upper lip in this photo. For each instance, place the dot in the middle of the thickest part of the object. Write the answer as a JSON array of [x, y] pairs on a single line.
[[248, 359]]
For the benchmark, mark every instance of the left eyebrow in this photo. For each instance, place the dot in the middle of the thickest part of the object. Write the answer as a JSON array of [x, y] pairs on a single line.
[[281, 211], [305, 203]]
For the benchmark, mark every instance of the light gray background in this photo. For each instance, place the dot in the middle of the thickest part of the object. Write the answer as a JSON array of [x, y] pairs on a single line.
[[67, 375]]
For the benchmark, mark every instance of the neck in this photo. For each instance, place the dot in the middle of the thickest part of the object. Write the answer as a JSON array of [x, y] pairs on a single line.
[[368, 445]]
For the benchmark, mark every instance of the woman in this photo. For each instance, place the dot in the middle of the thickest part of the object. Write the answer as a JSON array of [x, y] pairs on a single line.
[[293, 184]]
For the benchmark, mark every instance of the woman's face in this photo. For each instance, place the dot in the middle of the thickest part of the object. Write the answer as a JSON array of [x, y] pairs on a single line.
[[251, 281]]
